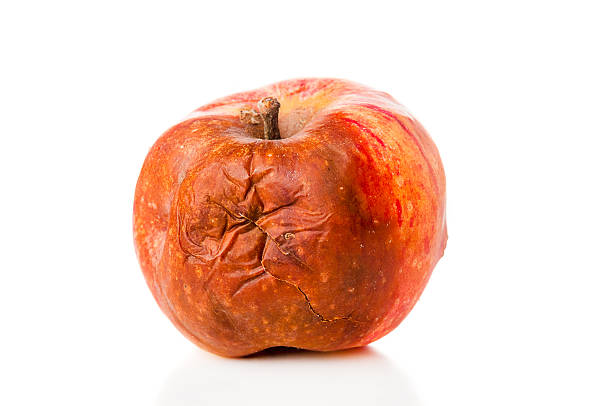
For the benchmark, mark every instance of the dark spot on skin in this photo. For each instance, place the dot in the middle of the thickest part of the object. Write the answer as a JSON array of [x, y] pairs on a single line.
[[398, 208]]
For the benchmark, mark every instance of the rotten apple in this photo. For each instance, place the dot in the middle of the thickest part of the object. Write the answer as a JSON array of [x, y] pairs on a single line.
[[309, 214]]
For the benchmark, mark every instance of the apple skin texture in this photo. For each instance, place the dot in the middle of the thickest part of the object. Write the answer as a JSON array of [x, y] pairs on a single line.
[[322, 240]]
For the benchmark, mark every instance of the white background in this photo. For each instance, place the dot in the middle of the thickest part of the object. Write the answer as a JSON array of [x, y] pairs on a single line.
[[517, 95]]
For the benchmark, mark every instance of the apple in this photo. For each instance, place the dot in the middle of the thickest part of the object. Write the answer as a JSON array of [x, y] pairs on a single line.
[[309, 213]]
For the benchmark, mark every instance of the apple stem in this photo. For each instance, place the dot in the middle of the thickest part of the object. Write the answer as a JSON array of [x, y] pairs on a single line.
[[268, 108], [268, 115]]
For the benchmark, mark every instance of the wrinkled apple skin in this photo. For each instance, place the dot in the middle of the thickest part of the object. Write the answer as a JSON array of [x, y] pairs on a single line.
[[323, 240]]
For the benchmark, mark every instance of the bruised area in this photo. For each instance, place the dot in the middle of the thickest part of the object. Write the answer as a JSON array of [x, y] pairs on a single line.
[[242, 219], [323, 239], [249, 232]]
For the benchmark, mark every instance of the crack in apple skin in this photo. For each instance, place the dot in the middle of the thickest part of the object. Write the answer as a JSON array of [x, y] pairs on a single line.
[[312, 309], [265, 270]]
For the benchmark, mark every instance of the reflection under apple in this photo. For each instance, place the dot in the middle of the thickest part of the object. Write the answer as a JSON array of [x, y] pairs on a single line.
[[287, 376]]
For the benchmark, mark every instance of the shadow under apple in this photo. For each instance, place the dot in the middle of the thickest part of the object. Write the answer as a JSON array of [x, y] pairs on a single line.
[[289, 377]]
